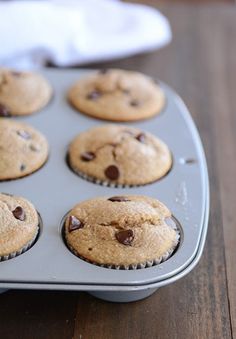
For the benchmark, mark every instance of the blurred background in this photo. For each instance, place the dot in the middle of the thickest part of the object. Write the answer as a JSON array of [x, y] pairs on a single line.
[[78, 32], [75, 32]]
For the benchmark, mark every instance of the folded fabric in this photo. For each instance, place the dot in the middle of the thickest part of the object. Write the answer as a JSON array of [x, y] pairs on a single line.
[[77, 31]]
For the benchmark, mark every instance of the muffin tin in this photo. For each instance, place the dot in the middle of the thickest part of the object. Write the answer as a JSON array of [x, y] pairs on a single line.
[[54, 189]]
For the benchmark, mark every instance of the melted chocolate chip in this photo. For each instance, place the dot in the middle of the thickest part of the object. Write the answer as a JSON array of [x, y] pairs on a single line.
[[134, 103], [94, 95], [4, 111], [87, 156], [22, 167], [125, 237], [112, 172], [74, 224], [24, 134], [141, 137], [19, 213], [126, 91], [103, 71], [34, 148], [16, 74], [118, 199]]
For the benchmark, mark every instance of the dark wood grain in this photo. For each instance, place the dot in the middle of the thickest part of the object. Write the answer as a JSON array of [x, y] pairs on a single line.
[[201, 65], [37, 315]]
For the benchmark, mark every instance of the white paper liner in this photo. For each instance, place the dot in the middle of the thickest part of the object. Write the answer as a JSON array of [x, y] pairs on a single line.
[[22, 250], [146, 264]]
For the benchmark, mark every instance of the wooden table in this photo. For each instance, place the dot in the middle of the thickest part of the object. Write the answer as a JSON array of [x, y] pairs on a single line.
[[201, 65]]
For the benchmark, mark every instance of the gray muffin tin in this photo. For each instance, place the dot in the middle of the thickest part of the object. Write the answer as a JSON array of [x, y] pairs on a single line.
[[55, 189]]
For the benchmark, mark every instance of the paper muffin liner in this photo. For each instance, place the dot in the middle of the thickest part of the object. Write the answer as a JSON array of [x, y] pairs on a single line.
[[146, 264], [22, 250], [102, 182], [108, 183]]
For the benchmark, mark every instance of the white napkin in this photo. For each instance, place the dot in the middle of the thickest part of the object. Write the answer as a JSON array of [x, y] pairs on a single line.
[[77, 31]]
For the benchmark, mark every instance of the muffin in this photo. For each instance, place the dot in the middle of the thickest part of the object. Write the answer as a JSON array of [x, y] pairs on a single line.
[[19, 225], [23, 149], [119, 155], [117, 95], [22, 93], [127, 231]]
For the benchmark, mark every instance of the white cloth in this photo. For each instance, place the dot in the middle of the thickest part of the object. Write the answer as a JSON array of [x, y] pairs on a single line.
[[68, 32]]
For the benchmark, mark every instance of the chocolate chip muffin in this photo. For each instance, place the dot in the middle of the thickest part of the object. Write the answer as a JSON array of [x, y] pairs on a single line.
[[22, 93], [127, 231], [117, 95], [23, 149], [119, 155], [19, 225]]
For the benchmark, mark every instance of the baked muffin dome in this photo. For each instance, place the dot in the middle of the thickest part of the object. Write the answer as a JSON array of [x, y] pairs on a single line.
[[119, 154], [19, 225], [22, 93], [127, 231], [23, 149], [117, 95]]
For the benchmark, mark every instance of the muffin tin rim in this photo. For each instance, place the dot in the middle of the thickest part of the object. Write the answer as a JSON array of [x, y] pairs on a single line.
[[138, 126]]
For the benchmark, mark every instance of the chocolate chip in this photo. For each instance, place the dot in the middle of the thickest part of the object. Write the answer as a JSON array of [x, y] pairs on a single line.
[[87, 156], [125, 237], [74, 224], [141, 137], [112, 172], [16, 74], [34, 148], [19, 213], [94, 95], [134, 103], [103, 71], [24, 134], [126, 91], [22, 167], [4, 111], [118, 199]]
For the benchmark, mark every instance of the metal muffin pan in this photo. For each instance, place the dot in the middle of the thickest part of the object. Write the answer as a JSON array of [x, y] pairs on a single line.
[[55, 189]]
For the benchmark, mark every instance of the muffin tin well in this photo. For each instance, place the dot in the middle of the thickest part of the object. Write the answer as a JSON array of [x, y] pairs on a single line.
[[55, 189], [139, 266], [28, 246]]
